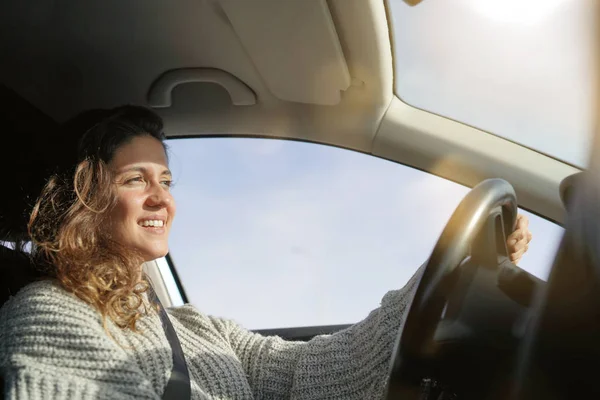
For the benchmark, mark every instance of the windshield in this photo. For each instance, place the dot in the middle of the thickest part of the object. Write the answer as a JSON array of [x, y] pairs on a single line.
[[301, 234], [521, 69]]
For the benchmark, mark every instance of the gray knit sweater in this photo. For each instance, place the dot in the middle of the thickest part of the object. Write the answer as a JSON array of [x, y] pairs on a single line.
[[53, 346]]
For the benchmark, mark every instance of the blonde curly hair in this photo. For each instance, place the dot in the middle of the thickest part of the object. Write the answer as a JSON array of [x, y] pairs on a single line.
[[67, 224]]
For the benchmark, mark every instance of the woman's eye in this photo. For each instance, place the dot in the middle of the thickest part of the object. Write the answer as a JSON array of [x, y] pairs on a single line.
[[167, 183], [136, 179]]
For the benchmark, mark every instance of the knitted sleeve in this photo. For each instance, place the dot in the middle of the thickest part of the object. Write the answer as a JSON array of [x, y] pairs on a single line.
[[53, 346], [350, 364]]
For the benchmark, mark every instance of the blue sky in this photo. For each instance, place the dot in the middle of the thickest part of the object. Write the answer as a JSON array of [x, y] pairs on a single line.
[[278, 233]]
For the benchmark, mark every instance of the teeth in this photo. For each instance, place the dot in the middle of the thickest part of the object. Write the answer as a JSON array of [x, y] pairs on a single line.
[[152, 222]]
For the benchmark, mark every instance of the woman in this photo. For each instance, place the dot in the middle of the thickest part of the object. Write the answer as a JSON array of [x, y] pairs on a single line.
[[88, 330]]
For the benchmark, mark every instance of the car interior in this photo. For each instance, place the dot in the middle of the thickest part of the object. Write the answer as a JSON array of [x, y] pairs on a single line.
[[321, 71]]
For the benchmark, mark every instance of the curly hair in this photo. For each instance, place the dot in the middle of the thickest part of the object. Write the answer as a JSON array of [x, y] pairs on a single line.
[[67, 224]]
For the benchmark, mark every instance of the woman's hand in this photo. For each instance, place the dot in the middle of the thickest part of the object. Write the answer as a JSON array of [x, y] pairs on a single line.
[[518, 241]]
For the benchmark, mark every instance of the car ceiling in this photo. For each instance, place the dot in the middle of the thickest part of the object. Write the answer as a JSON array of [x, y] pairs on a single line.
[[313, 70], [65, 57]]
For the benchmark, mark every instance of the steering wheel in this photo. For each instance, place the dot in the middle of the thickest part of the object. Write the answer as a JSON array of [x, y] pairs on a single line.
[[470, 307]]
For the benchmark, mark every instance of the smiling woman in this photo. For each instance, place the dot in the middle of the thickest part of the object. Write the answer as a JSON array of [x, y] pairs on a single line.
[[144, 208], [86, 231]]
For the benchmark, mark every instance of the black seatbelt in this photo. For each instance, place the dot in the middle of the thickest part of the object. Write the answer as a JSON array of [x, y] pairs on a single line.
[[178, 386]]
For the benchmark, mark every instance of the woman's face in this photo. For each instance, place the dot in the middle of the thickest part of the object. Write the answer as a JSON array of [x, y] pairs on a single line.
[[144, 210]]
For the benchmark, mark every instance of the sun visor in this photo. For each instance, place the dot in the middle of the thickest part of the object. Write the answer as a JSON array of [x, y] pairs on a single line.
[[294, 46]]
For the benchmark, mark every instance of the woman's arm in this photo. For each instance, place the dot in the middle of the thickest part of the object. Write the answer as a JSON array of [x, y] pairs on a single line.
[[350, 364]]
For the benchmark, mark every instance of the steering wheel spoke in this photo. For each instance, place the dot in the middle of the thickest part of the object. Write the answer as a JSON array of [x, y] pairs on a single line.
[[489, 247]]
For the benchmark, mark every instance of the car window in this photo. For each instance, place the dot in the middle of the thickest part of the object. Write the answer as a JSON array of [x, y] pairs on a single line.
[[279, 234], [522, 69], [12, 245]]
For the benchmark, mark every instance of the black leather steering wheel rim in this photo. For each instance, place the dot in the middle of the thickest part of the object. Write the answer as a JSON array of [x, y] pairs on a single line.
[[492, 202]]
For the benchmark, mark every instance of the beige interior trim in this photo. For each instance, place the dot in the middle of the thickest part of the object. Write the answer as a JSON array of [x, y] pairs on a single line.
[[294, 47], [468, 155], [159, 95], [152, 270], [364, 38]]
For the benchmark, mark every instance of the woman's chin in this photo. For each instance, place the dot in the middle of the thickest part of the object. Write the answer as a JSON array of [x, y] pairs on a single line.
[[152, 258], [151, 255]]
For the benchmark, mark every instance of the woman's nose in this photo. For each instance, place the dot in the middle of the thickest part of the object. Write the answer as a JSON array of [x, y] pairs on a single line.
[[159, 197]]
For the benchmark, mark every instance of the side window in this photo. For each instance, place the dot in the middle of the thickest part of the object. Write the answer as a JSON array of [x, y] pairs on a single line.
[[278, 234]]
